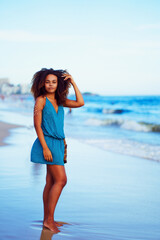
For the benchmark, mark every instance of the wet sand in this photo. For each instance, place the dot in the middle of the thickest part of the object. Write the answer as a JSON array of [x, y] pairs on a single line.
[[5, 131], [107, 196]]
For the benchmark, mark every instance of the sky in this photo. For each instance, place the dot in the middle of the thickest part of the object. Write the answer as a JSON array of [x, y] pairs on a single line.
[[109, 47]]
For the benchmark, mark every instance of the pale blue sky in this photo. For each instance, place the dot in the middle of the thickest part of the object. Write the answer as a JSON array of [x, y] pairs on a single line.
[[109, 47]]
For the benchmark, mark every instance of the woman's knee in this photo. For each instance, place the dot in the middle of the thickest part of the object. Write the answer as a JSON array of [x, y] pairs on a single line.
[[62, 181], [65, 180], [58, 173]]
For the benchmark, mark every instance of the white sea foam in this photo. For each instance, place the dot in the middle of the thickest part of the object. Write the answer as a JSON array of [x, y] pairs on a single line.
[[127, 147], [125, 124], [135, 126]]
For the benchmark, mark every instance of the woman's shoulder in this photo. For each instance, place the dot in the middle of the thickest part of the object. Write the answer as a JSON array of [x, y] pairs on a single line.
[[41, 100]]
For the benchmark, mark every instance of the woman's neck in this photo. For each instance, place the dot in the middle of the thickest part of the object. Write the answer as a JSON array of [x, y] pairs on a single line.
[[51, 96]]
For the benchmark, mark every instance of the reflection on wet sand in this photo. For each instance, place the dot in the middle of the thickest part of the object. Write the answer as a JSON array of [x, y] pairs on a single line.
[[46, 234]]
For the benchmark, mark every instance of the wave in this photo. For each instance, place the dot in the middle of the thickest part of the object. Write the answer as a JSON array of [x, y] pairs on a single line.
[[127, 147], [125, 124], [107, 110]]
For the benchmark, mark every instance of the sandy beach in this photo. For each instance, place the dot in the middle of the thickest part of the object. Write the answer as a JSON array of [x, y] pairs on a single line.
[[107, 196], [5, 131]]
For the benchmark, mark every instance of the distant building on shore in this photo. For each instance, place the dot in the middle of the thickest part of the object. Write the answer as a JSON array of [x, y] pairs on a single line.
[[6, 88], [3, 80]]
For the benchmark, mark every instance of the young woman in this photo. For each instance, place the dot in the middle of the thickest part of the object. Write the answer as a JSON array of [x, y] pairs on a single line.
[[50, 89]]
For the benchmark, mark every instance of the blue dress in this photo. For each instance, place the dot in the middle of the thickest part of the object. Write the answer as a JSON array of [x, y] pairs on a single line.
[[53, 129]]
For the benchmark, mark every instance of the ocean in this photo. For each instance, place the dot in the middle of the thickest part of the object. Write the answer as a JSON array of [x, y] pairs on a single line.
[[109, 194], [124, 124]]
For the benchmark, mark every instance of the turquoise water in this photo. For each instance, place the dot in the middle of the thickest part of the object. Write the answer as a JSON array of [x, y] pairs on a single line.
[[108, 195], [127, 125]]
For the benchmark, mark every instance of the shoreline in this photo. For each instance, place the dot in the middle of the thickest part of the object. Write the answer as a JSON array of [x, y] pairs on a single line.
[[5, 131], [120, 191]]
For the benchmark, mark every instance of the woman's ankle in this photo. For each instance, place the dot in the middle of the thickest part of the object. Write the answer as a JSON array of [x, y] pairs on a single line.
[[49, 219]]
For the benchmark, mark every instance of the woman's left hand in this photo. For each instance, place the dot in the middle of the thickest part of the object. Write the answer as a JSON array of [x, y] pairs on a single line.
[[68, 76]]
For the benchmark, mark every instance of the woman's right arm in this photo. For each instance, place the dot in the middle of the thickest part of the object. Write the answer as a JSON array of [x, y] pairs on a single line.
[[38, 107]]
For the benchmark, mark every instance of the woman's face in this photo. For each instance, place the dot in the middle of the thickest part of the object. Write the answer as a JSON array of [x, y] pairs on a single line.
[[51, 83]]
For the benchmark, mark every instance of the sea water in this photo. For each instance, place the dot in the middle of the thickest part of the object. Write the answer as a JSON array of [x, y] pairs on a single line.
[[124, 124], [107, 196]]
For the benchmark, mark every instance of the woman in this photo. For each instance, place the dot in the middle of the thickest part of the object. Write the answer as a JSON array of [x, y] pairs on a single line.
[[50, 89]]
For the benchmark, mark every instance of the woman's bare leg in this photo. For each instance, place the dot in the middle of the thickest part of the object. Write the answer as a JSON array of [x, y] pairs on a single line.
[[60, 180], [47, 188]]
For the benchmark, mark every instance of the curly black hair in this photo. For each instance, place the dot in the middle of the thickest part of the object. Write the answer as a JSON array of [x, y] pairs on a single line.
[[38, 80]]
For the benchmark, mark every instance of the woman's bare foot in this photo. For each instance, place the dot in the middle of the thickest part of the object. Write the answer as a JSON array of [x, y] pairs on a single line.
[[57, 224], [51, 225]]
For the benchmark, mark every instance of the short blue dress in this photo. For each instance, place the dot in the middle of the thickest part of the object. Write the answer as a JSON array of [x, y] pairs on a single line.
[[53, 129]]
